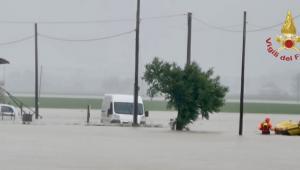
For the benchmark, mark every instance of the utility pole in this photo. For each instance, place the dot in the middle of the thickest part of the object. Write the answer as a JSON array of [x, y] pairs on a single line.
[[40, 81], [136, 77], [189, 38], [242, 77], [298, 87], [36, 72]]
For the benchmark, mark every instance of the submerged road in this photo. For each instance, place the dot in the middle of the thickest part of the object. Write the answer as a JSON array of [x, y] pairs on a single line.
[[62, 141]]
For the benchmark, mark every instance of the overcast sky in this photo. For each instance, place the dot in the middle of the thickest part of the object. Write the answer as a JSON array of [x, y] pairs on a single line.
[[107, 66]]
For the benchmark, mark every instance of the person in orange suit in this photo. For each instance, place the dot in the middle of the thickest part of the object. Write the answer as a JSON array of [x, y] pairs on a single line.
[[265, 126]]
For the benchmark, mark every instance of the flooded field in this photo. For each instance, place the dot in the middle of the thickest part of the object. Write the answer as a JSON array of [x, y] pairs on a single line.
[[63, 141]]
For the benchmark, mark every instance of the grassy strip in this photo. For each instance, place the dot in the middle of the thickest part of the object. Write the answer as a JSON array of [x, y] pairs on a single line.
[[263, 108], [81, 103], [234, 107], [156, 105]]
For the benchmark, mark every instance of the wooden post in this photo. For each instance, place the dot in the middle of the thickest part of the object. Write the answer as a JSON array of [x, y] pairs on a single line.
[[88, 114]]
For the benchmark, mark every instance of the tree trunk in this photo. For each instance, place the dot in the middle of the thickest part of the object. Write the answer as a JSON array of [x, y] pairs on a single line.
[[178, 124]]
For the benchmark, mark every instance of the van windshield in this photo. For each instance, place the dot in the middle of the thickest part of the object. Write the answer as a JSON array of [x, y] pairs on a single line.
[[127, 108]]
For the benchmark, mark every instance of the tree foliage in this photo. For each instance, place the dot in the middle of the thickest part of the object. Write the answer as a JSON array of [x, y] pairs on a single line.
[[190, 91]]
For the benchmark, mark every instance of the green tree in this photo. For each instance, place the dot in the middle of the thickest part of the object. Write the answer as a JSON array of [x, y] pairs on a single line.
[[190, 91]]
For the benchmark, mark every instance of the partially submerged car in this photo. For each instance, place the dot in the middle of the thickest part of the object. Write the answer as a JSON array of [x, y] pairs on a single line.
[[287, 127], [7, 110]]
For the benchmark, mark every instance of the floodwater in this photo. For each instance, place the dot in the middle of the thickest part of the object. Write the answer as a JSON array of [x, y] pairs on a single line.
[[62, 141]]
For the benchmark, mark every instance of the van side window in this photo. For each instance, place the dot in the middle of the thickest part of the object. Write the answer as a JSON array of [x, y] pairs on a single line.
[[7, 109]]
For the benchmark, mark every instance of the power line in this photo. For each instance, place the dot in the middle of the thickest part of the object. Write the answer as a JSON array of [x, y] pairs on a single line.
[[225, 28], [110, 21], [85, 40], [91, 21], [16, 41], [265, 28], [163, 17], [270, 27], [217, 27], [87, 22], [255, 27], [67, 22], [16, 22]]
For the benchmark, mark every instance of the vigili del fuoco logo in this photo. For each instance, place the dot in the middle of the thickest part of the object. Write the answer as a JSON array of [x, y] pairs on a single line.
[[288, 49]]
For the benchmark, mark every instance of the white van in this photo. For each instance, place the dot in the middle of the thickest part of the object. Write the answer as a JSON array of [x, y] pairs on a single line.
[[117, 108]]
